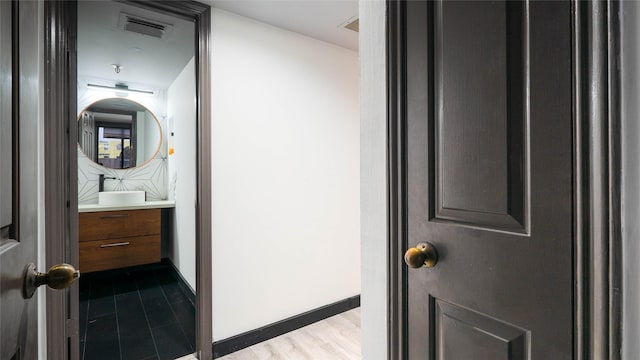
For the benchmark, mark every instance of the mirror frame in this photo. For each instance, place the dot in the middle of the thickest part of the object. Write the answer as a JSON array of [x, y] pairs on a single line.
[[157, 122]]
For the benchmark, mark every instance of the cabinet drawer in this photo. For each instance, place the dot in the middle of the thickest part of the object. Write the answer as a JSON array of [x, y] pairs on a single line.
[[117, 224], [117, 253]]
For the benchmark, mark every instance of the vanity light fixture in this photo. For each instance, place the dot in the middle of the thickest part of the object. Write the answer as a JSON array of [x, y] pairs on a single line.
[[120, 88]]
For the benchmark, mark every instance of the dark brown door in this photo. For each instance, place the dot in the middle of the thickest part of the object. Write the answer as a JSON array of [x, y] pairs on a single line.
[[18, 176], [489, 179]]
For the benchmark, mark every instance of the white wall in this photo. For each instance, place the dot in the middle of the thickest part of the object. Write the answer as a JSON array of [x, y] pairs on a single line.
[[286, 185], [373, 135], [630, 86], [141, 130], [152, 137], [181, 114]]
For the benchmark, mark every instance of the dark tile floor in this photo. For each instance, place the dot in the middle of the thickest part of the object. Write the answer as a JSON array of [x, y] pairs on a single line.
[[136, 314]]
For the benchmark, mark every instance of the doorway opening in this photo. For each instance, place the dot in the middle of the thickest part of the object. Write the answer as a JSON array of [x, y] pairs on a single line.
[[137, 253], [136, 213]]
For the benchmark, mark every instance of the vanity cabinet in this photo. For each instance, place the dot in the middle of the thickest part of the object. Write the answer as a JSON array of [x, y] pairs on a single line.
[[116, 239]]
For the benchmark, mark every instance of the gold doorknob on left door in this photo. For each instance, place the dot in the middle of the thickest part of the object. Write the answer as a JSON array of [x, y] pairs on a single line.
[[58, 277], [424, 254]]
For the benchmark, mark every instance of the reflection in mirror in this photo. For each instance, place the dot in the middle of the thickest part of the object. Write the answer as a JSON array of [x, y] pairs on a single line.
[[118, 133]]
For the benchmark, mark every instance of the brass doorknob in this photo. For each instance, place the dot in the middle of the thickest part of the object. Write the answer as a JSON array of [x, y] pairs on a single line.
[[58, 277], [424, 254]]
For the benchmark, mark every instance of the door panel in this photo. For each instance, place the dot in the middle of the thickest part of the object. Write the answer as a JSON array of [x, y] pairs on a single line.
[[465, 334], [87, 136], [478, 59], [18, 245], [488, 179], [6, 123]]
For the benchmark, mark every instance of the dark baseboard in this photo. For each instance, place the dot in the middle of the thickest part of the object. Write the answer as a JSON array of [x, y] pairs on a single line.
[[238, 342], [183, 284]]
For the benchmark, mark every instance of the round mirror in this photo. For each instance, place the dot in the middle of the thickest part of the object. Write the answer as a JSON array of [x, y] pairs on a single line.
[[118, 133]]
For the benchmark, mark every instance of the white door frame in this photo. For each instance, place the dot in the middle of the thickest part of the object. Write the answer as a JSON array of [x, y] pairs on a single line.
[[373, 180]]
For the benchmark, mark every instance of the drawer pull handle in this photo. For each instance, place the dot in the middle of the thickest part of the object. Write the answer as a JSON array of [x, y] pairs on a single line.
[[116, 216], [115, 244]]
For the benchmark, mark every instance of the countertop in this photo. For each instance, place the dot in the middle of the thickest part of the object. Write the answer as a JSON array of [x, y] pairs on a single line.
[[147, 205]]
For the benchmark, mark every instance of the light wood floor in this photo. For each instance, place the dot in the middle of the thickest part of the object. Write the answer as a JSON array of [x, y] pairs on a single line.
[[335, 338]]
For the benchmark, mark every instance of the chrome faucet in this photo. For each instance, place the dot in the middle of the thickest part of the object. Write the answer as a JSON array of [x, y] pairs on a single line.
[[101, 180]]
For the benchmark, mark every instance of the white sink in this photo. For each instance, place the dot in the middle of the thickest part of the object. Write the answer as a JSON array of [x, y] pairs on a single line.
[[121, 198]]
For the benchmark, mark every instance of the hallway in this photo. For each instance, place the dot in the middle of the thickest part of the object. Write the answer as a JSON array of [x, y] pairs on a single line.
[[335, 338]]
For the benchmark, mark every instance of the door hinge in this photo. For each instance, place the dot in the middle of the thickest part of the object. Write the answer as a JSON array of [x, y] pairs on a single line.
[[72, 327]]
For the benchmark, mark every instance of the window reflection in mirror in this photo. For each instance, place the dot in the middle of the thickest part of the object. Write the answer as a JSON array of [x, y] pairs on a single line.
[[114, 146], [118, 133]]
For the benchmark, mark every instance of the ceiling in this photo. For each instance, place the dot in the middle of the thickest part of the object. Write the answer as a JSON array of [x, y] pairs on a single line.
[[148, 63], [117, 104], [319, 19]]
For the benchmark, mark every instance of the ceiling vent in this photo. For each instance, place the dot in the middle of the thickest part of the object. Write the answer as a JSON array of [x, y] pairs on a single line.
[[143, 26], [353, 25]]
